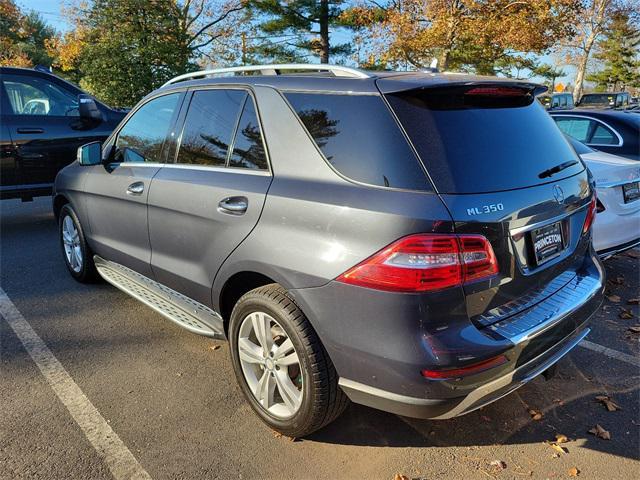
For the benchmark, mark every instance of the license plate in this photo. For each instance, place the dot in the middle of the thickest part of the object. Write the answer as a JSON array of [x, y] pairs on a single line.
[[547, 242], [631, 191]]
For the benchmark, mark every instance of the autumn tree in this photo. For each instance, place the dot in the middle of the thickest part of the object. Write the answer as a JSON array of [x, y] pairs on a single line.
[[151, 41], [480, 35], [23, 37], [299, 28], [618, 52]]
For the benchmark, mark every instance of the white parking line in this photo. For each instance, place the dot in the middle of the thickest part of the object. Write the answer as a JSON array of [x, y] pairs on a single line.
[[623, 357], [121, 462]]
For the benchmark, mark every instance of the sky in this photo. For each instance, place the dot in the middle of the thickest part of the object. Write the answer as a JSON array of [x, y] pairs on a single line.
[[51, 11]]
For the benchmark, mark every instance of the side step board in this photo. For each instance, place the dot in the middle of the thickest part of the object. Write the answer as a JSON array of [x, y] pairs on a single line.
[[178, 308]]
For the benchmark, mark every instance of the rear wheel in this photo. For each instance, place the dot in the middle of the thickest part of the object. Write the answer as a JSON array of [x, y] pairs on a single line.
[[281, 366], [77, 254]]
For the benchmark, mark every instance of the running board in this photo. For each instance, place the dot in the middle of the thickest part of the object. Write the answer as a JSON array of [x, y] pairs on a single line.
[[178, 308]]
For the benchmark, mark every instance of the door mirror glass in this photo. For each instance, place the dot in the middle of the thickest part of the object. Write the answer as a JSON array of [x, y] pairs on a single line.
[[88, 109], [90, 154]]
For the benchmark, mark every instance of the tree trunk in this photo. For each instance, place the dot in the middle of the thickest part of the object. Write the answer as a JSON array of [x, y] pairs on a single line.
[[582, 68], [443, 59], [324, 31]]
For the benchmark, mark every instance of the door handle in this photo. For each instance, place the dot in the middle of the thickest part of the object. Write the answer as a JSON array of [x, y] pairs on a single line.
[[135, 188], [233, 205], [30, 130]]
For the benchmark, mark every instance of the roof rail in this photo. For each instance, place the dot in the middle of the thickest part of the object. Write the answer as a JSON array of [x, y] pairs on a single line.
[[337, 70]]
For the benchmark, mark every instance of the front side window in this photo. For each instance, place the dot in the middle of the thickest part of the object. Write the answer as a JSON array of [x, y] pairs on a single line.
[[142, 137], [360, 139], [209, 127], [37, 96]]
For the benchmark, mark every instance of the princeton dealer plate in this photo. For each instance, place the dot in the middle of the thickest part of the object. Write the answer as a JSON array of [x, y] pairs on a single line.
[[631, 191], [547, 242]]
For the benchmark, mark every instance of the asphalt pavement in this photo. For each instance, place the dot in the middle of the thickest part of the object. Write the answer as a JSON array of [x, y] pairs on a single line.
[[170, 396]]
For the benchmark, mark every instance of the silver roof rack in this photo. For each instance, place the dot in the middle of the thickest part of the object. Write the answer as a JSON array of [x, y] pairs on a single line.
[[337, 70]]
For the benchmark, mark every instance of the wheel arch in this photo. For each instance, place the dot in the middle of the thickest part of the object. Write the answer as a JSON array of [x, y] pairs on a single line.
[[59, 201]]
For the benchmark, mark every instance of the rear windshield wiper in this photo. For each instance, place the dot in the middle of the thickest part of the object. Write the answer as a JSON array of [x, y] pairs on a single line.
[[558, 168]]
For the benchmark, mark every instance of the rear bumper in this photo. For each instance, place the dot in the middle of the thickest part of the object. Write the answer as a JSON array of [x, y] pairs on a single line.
[[616, 249], [477, 398]]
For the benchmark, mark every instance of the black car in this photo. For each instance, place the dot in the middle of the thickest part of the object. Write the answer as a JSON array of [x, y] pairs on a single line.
[[44, 119], [610, 131], [605, 100]]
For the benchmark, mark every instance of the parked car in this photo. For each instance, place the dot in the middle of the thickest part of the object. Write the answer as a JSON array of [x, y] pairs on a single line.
[[390, 238], [557, 101], [43, 121], [609, 131], [617, 224], [605, 100]]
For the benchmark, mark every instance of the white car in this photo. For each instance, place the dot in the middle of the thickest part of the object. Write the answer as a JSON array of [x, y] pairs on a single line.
[[617, 224]]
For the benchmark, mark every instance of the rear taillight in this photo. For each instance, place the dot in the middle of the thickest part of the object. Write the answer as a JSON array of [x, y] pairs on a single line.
[[425, 262], [591, 213], [465, 371]]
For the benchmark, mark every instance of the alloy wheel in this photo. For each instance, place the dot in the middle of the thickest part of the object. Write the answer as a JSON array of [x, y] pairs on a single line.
[[71, 242]]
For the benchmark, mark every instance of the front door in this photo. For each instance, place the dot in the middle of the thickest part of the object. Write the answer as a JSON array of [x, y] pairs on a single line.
[[116, 192], [204, 204]]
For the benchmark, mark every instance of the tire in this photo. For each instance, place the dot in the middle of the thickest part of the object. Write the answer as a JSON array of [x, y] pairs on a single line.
[[80, 264], [321, 400]]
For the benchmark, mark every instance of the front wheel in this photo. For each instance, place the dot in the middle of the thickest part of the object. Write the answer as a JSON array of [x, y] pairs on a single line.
[[76, 251], [280, 364]]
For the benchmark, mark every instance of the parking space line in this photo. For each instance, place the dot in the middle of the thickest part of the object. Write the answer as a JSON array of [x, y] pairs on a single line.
[[120, 461], [623, 357]]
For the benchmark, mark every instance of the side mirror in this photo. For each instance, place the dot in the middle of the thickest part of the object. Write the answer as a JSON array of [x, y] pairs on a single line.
[[88, 109], [90, 154]]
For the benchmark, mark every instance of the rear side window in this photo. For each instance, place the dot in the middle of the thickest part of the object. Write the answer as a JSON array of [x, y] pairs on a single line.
[[142, 137], [248, 147], [360, 139], [476, 140], [209, 127], [577, 128], [603, 136]]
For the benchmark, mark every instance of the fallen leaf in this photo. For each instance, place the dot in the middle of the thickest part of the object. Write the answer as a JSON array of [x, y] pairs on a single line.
[[600, 432], [498, 463], [485, 418], [614, 298], [626, 314], [535, 414], [557, 448], [608, 402], [560, 438], [215, 347], [399, 476], [573, 472], [633, 301], [277, 434], [635, 329], [633, 253]]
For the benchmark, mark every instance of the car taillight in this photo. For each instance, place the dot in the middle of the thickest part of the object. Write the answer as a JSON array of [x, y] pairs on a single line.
[[425, 262], [591, 213], [465, 371]]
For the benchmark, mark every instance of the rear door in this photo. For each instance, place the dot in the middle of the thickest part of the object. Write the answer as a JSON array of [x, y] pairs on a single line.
[[504, 171], [208, 200], [116, 192]]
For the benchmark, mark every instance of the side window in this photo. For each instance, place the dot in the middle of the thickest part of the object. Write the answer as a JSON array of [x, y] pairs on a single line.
[[577, 128], [603, 136], [209, 126], [570, 103], [142, 137], [556, 102], [248, 147], [563, 100], [37, 96], [360, 139]]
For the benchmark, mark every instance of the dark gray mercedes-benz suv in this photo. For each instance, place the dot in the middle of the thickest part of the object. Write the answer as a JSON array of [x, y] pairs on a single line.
[[416, 242]]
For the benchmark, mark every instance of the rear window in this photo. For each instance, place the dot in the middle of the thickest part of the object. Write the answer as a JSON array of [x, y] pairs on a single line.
[[479, 144], [360, 138]]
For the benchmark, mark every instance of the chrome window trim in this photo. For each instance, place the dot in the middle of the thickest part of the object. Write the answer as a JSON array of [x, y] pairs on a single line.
[[620, 140], [182, 166]]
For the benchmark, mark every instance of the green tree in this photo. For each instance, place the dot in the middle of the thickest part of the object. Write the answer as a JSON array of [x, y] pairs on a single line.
[[123, 49], [549, 73], [23, 37], [299, 28], [618, 52]]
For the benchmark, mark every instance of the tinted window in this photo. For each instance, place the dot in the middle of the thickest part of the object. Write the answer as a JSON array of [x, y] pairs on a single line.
[[248, 148], [577, 128], [209, 126], [603, 136], [142, 137], [360, 138], [474, 143], [37, 96]]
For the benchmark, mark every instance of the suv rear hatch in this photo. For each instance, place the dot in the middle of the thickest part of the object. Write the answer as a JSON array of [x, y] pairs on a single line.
[[504, 170]]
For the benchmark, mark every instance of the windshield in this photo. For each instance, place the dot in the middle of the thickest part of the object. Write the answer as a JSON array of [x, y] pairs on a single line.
[[601, 99], [483, 144]]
